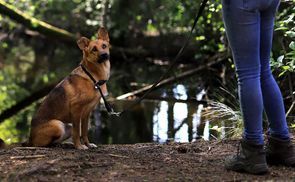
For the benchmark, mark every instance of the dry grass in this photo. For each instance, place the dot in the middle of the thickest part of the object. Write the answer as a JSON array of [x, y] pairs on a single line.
[[225, 117]]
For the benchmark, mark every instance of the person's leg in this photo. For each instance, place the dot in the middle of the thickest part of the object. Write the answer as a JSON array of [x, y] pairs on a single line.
[[243, 31], [242, 24], [272, 97], [279, 150]]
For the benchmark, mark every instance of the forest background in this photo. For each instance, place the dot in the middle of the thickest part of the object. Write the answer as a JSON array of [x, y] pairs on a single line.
[[145, 37]]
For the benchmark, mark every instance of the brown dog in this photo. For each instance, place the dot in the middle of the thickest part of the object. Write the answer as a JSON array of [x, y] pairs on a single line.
[[73, 99]]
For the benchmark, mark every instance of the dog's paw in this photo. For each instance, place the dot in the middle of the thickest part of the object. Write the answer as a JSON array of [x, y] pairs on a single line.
[[91, 145], [81, 147]]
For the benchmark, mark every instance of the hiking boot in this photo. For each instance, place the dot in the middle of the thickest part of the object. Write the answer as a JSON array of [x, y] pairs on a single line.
[[250, 158], [280, 152]]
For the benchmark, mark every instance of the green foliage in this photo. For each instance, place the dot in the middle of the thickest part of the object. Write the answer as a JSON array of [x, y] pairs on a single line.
[[9, 133], [285, 63], [17, 64]]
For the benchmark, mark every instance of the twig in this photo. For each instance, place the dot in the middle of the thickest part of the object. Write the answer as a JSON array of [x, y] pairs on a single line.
[[30, 148], [292, 95], [120, 156], [291, 86], [40, 167], [171, 99], [28, 157], [290, 109]]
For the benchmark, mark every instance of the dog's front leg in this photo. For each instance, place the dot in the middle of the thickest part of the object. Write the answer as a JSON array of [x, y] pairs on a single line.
[[84, 123], [76, 134]]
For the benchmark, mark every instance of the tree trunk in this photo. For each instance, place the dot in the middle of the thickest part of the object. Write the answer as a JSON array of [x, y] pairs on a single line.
[[26, 102]]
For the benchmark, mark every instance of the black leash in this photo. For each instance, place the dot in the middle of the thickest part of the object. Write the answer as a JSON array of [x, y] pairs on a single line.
[[97, 85], [201, 9]]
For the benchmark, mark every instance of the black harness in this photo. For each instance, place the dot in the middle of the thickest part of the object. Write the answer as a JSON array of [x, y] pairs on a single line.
[[97, 85]]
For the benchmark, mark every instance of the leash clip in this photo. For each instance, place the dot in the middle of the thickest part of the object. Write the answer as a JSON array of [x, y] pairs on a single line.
[[112, 113]]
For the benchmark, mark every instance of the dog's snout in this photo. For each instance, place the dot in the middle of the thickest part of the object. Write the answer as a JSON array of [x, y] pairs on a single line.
[[103, 57]]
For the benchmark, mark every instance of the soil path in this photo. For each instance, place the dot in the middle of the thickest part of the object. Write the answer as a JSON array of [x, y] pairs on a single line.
[[199, 161]]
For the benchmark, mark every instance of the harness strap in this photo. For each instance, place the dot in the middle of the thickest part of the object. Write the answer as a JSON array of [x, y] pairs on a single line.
[[97, 85]]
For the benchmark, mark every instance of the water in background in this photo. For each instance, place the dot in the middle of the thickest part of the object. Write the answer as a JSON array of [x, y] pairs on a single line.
[[156, 120]]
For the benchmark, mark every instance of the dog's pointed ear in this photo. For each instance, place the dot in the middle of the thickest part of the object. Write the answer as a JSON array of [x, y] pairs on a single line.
[[83, 42], [103, 34]]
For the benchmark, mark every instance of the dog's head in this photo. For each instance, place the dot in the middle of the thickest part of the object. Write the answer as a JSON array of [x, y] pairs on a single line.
[[96, 51]]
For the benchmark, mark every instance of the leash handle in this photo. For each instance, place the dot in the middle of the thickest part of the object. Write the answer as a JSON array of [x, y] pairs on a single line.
[[201, 9]]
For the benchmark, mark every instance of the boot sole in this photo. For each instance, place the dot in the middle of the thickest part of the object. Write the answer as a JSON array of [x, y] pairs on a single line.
[[290, 162], [281, 163], [257, 169]]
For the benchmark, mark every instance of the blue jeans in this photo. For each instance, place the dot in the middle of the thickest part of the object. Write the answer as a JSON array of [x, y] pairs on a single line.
[[249, 28]]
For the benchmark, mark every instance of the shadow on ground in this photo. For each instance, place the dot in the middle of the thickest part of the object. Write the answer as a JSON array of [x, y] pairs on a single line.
[[199, 161]]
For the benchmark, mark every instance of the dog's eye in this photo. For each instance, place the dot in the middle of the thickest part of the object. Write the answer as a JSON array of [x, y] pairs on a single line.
[[94, 49], [104, 46]]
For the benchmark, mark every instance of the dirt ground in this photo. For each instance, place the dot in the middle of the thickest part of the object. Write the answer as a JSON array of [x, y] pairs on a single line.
[[199, 161]]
